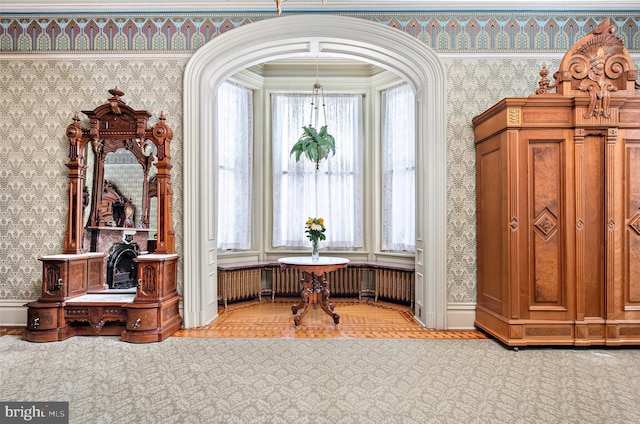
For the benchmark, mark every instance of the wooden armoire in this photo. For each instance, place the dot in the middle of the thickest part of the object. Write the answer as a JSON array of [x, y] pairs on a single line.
[[558, 204]]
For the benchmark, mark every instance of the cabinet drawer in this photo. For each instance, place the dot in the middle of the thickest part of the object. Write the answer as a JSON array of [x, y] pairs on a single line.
[[42, 318], [142, 319]]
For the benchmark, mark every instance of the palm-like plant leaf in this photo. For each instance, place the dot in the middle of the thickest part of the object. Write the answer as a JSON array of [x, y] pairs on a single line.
[[314, 145]]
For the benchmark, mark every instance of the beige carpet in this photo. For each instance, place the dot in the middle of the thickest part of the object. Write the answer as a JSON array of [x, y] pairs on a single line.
[[198, 380]]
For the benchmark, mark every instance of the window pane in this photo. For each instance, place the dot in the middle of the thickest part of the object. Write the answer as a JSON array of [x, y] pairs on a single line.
[[398, 169], [234, 135], [334, 191]]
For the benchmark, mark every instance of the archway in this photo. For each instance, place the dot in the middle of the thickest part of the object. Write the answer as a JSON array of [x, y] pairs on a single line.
[[313, 36]]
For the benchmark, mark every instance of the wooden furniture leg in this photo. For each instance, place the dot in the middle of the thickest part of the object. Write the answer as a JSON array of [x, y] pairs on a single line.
[[324, 304], [314, 291], [300, 309]]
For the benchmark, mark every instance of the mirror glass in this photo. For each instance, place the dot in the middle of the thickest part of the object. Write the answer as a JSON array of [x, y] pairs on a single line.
[[125, 195], [125, 176]]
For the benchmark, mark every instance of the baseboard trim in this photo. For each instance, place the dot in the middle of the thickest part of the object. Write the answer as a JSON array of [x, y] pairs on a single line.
[[461, 316], [13, 313]]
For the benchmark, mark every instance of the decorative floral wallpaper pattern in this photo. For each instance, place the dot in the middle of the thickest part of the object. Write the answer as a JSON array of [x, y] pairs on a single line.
[[40, 97], [41, 92]]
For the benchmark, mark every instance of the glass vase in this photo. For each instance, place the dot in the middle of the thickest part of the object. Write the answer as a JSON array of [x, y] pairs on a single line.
[[315, 253]]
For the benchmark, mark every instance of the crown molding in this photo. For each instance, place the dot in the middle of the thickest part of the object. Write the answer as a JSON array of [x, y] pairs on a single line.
[[192, 6]]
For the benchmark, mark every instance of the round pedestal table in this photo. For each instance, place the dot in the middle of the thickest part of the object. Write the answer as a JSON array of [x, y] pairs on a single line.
[[313, 289]]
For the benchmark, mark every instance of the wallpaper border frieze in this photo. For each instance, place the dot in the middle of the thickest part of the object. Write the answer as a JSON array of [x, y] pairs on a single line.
[[443, 32]]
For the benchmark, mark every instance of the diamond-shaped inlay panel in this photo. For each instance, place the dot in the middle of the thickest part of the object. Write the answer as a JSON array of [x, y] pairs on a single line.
[[546, 223], [635, 223]]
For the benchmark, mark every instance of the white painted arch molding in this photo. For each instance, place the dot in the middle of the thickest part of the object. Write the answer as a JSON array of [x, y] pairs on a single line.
[[313, 36]]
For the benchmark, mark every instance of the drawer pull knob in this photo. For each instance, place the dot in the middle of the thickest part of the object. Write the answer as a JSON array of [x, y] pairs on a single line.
[[137, 323]]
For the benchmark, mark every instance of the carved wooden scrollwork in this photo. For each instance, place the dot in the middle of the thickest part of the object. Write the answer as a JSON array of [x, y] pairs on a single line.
[[149, 280], [597, 66], [52, 278], [545, 83], [114, 126]]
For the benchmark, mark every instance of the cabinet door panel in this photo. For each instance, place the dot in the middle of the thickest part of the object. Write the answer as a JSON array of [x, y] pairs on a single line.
[[592, 224], [492, 222], [632, 229], [546, 235]]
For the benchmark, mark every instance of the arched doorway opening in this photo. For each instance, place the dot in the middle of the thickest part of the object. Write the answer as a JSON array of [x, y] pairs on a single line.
[[313, 36]]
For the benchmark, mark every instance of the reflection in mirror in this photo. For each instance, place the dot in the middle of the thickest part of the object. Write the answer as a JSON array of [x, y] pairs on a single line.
[[123, 190], [121, 184]]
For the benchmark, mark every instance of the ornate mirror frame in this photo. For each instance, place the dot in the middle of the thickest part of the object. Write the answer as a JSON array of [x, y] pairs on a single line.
[[112, 126]]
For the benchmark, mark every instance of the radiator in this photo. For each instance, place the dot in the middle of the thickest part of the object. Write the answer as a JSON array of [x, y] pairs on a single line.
[[391, 284], [342, 282], [395, 285], [239, 284]]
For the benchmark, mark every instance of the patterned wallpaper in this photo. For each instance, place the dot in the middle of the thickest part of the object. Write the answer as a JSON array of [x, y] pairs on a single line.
[[473, 86], [40, 94], [39, 99]]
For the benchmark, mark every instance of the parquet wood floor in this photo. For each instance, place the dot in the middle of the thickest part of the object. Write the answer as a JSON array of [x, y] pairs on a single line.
[[358, 319]]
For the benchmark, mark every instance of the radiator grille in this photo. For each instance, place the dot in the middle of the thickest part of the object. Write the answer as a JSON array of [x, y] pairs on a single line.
[[286, 281], [391, 284], [239, 284], [395, 285], [342, 282]]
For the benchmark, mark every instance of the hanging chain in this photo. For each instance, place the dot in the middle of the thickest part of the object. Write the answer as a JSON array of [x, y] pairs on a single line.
[[316, 97]]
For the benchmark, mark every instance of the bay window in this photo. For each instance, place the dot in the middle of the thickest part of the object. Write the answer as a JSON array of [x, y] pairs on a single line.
[[334, 190], [234, 128], [398, 169], [297, 191]]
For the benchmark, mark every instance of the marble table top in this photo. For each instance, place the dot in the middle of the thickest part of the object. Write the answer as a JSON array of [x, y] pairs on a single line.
[[308, 260]]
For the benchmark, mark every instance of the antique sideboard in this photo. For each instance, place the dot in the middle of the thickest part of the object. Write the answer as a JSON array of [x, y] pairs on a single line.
[[111, 278]]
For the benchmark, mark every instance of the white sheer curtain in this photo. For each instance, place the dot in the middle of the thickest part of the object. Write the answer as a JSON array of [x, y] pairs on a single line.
[[234, 135], [334, 192], [398, 169]]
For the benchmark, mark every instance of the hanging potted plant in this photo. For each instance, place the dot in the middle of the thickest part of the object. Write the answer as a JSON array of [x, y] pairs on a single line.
[[315, 145]]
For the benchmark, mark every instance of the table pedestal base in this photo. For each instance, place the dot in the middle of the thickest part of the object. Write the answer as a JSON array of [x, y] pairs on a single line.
[[314, 292]]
